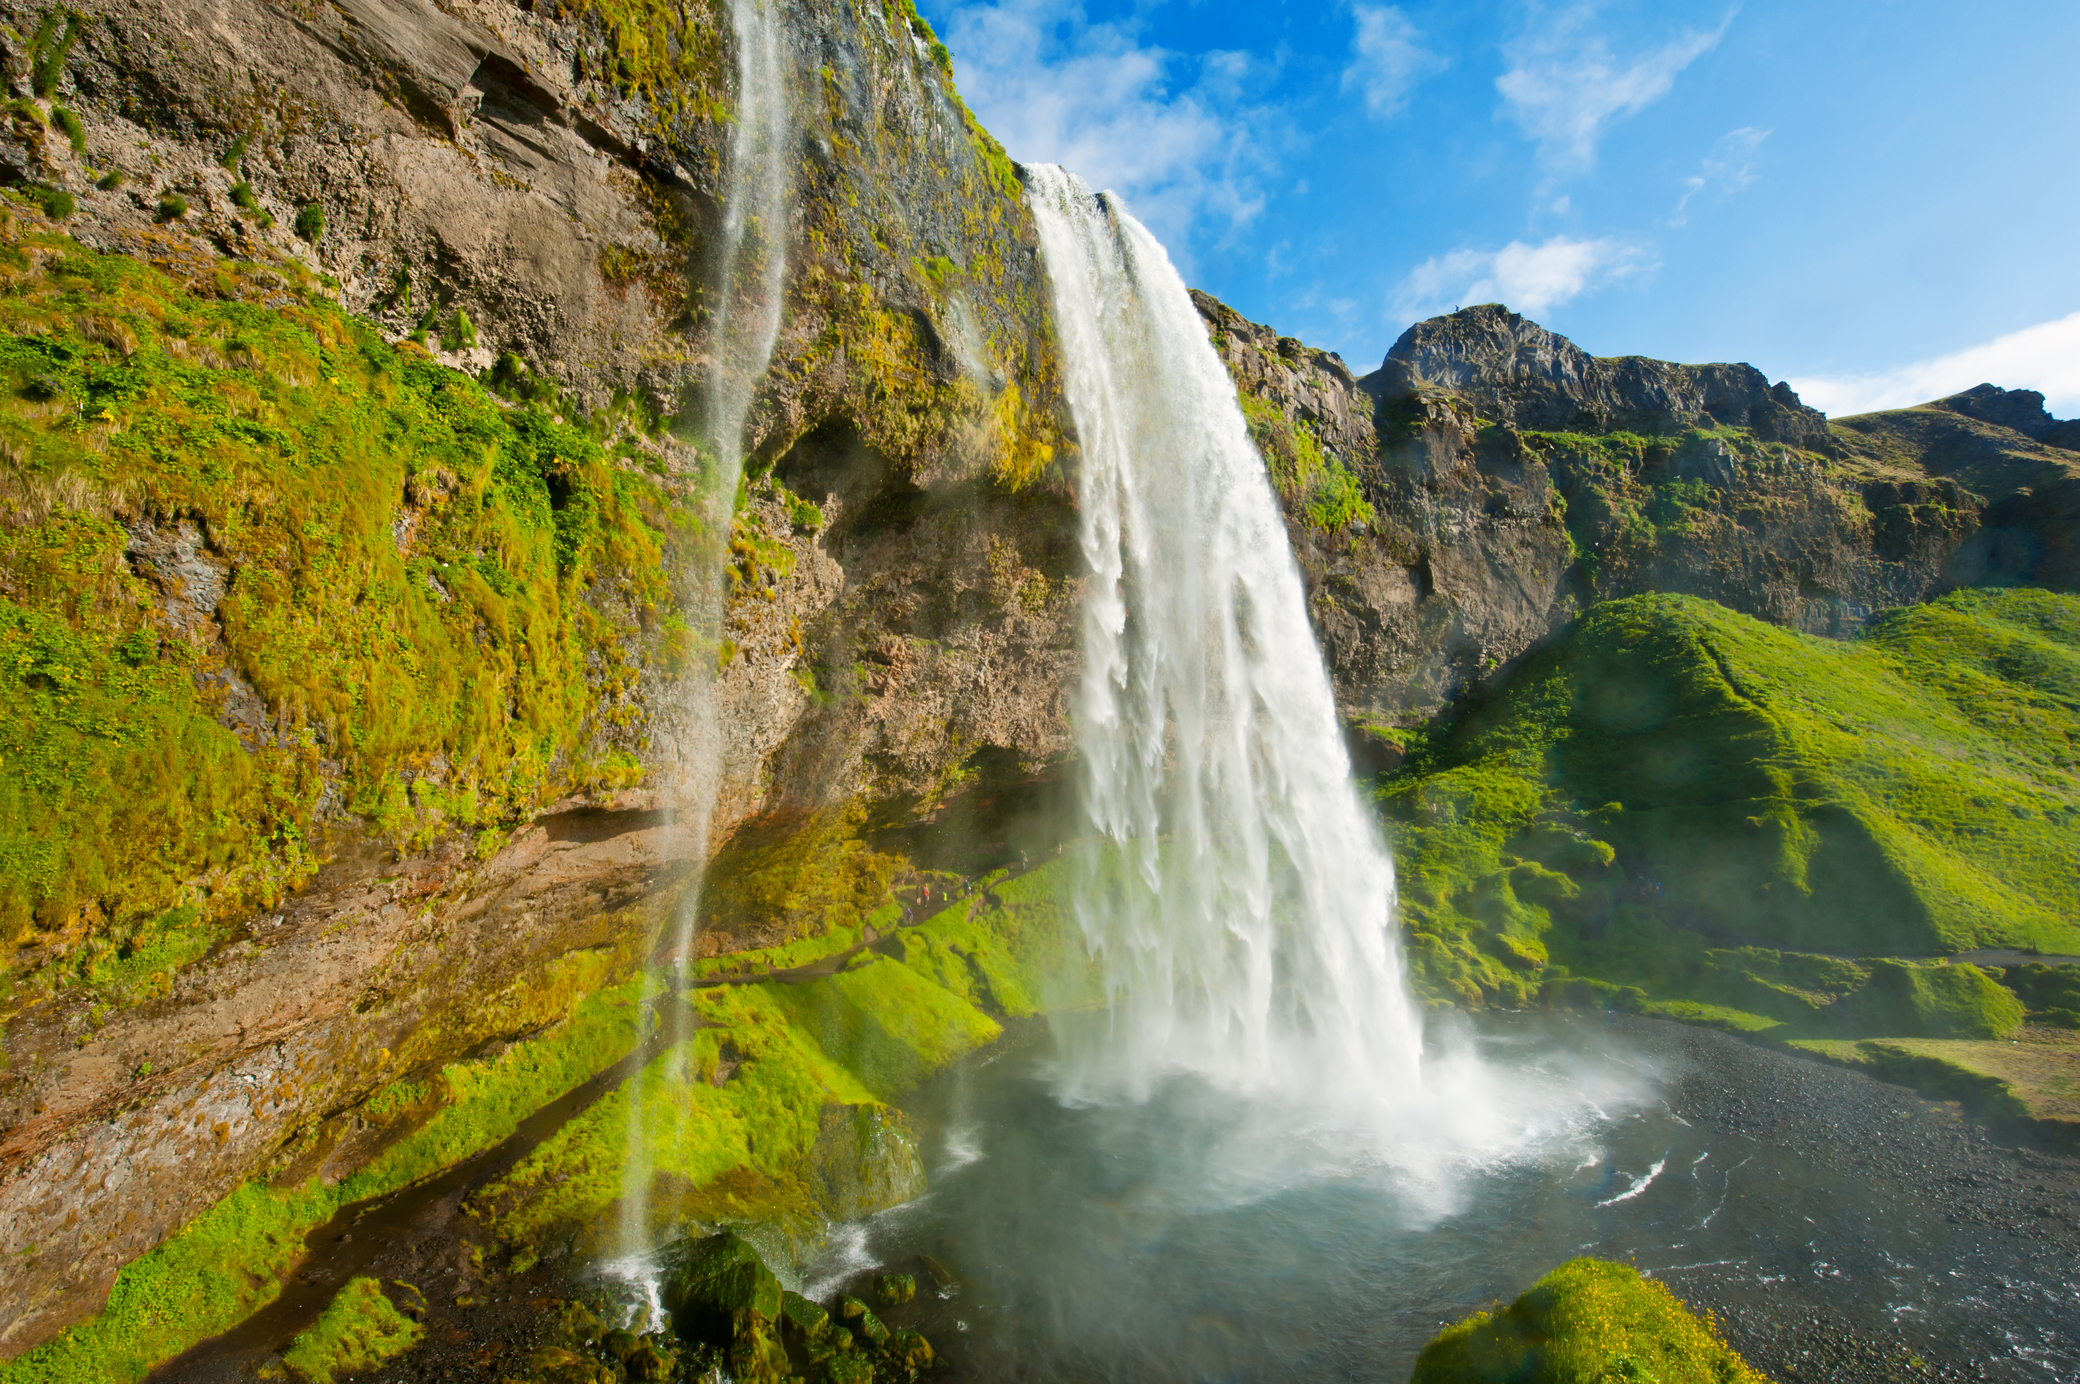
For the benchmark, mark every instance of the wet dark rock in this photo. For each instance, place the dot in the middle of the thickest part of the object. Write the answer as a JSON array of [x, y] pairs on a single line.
[[721, 1295], [861, 1319], [894, 1289]]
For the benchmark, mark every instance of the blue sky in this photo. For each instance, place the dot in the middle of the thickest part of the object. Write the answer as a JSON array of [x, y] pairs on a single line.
[[1879, 201]]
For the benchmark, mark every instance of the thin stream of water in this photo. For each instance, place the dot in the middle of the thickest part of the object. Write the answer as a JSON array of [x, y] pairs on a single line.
[[747, 293]]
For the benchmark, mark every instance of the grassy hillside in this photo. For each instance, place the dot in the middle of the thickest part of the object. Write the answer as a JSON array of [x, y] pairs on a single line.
[[254, 559], [1682, 799]]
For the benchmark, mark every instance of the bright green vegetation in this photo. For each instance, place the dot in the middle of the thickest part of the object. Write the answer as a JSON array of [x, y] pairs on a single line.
[[358, 1330], [1302, 470], [733, 1114], [431, 599], [1587, 1322], [1679, 803], [180, 1293]]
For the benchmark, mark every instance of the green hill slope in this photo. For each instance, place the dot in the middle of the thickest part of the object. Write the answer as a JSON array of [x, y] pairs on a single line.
[[1675, 777]]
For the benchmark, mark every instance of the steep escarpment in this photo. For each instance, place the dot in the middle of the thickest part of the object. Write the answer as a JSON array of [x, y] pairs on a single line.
[[357, 511], [1512, 481]]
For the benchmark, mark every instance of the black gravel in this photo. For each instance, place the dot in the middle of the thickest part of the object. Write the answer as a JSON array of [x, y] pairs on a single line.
[[2013, 1213]]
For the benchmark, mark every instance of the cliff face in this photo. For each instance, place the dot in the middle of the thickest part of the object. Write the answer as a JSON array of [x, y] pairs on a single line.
[[1515, 480], [264, 519]]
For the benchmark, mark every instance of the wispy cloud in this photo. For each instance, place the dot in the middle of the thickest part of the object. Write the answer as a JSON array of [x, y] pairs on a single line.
[[1388, 59], [2045, 358], [1726, 170], [1529, 278], [1171, 132], [1566, 87]]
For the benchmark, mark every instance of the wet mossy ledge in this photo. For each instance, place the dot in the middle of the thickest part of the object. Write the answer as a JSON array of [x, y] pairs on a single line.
[[264, 574], [774, 1116], [1586, 1322]]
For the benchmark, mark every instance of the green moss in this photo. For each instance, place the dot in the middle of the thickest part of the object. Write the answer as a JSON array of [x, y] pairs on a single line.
[[1953, 1001], [1693, 771], [731, 1115], [1587, 1321], [358, 1330], [179, 1293], [1302, 470], [411, 565]]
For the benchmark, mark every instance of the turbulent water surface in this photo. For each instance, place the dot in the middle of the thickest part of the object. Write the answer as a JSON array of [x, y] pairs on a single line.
[[1180, 1238]]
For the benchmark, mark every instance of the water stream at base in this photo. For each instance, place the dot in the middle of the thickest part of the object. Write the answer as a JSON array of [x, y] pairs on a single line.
[[747, 292]]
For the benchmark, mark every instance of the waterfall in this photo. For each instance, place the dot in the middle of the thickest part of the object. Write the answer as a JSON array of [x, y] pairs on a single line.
[[746, 292], [1240, 906]]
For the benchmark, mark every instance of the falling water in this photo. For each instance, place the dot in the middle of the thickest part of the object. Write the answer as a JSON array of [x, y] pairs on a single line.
[[747, 291], [1241, 908]]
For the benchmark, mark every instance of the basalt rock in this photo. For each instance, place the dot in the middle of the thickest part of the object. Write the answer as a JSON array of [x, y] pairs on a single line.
[[1516, 372], [1516, 480]]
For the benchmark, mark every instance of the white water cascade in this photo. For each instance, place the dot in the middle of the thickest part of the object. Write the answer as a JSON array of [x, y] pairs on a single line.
[[1241, 908], [746, 292]]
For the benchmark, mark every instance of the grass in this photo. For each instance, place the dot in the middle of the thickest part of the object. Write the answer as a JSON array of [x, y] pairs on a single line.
[[2033, 1074], [229, 1261], [436, 596], [358, 1330], [1587, 1322], [1680, 798]]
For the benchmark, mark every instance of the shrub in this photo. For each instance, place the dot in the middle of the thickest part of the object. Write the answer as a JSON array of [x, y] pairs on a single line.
[[50, 49], [310, 222], [111, 180], [68, 123], [56, 202], [172, 207]]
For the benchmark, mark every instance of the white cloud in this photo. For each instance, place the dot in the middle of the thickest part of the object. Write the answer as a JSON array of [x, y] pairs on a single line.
[[1565, 88], [1387, 60], [1528, 278], [1170, 132], [1726, 170], [2045, 358]]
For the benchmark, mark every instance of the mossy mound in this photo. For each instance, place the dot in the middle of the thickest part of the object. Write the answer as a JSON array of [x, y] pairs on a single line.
[[1904, 1001], [358, 1330], [1672, 775], [1587, 1322]]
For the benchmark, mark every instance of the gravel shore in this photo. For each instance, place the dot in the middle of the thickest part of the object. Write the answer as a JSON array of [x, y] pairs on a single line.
[[2012, 1215]]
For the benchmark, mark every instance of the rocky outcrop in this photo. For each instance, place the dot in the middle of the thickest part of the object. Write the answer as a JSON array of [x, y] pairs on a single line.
[[1516, 480], [1515, 372], [531, 193], [117, 1129]]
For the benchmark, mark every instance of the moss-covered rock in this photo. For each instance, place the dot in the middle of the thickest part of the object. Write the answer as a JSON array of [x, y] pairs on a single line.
[[358, 1330], [1586, 1322]]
